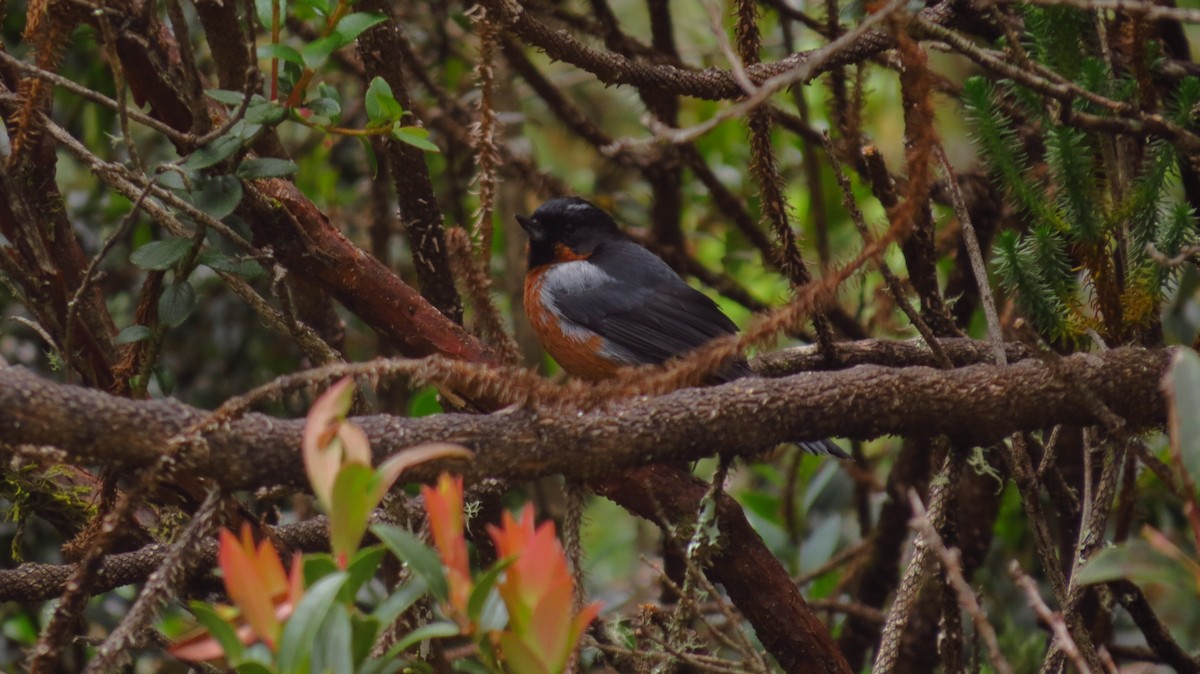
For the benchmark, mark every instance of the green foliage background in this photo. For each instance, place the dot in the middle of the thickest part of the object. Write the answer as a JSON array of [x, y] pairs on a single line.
[[1079, 234]]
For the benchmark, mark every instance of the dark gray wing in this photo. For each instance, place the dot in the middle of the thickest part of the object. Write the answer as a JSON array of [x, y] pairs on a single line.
[[645, 312]]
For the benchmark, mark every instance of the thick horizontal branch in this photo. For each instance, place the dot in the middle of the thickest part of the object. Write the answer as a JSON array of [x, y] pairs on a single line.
[[978, 404]]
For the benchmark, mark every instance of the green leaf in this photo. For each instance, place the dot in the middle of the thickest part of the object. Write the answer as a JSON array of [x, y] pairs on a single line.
[[300, 632], [382, 106], [176, 303], [214, 153], [493, 614], [263, 9], [469, 666], [266, 167], [165, 377], [231, 265], [281, 52], [364, 629], [217, 196], [326, 107], [438, 630], [318, 8], [260, 654], [160, 255], [332, 649], [483, 587], [171, 180], [317, 566], [385, 665], [424, 402], [253, 668], [267, 113], [1185, 403], [225, 96], [315, 53], [245, 130], [419, 557], [352, 505], [415, 136], [362, 569], [220, 630], [353, 25], [369, 150], [400, 601], [20, 629], [1135, 561]]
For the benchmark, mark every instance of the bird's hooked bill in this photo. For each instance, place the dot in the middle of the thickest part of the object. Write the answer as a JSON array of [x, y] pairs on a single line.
[[531, 228]]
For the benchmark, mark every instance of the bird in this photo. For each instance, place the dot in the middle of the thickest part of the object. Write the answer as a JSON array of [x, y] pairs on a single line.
[[599, 301]]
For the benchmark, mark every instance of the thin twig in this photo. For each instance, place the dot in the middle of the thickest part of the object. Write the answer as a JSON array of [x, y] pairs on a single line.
[[93, 96], [915, 576], [89, 274], [889, 277], [952, 563], [978, 266], [1062, 636], [162, 583], [801, 73]]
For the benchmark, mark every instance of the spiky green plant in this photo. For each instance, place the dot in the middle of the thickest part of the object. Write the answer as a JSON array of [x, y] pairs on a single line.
[[1083, 262]]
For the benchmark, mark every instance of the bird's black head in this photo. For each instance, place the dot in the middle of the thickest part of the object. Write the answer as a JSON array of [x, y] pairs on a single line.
[[566, 228]]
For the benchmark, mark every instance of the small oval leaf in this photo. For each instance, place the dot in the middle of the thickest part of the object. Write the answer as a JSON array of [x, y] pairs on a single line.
[[225, 96], [265, 113], [315, 53], [176, 303], [381, 104], [353, 25], [266, 167], [134, 333], [281, 52], [217, 195], [213, 153], [415, 136], [160, 255]]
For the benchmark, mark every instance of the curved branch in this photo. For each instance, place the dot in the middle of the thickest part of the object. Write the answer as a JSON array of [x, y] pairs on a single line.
[[311, 247], [973, 405]]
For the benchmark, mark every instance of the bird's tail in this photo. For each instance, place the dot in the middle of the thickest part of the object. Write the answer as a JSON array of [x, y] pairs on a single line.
[[823, 448]]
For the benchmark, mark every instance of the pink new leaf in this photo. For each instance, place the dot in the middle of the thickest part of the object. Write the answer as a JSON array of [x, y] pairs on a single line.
[[324, 442], [392, 467]]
